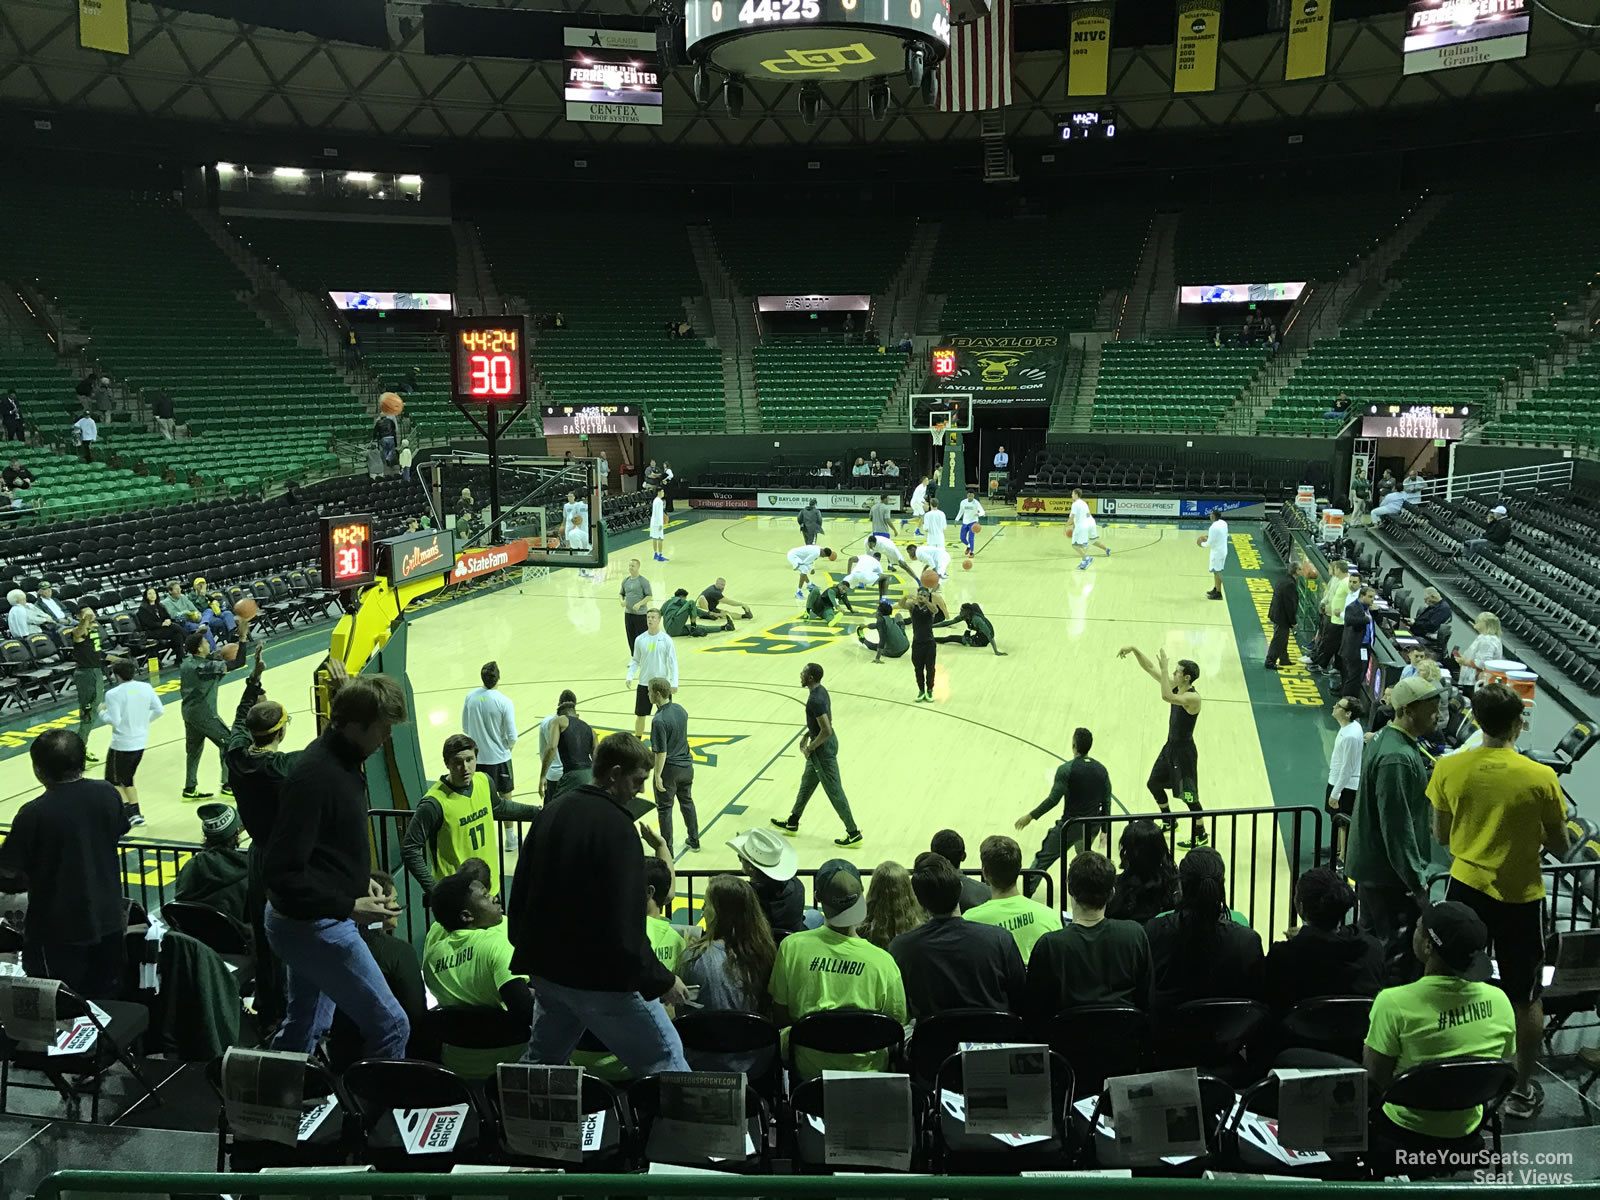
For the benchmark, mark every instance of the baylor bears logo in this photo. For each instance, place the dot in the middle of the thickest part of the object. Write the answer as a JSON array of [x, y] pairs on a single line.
[[700, 745], [829, 61], [802, 635]]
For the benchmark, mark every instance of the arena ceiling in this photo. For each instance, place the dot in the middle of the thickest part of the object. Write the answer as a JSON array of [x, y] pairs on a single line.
[[225, 74]]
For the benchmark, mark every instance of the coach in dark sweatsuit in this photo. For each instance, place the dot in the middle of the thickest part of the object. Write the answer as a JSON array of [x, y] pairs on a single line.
[[1283, 614]]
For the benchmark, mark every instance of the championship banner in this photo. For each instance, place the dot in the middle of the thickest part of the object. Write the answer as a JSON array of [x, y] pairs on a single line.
[[1009, 369], [1089, 50], [1307, 54], [1194, 67], [103, 25], [612, 77]]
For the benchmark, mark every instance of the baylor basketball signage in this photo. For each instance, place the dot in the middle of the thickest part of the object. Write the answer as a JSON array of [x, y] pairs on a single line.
[[1005, 369]]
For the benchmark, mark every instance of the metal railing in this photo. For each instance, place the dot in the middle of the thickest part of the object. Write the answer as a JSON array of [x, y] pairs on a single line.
[[1260, 894], [387, 826], [1544, 475], [149, 870]]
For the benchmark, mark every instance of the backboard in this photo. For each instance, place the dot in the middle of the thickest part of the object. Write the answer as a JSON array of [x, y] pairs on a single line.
[[939, 413]]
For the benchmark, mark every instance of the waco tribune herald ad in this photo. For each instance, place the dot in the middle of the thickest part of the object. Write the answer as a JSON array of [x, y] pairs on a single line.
[[613, 77]]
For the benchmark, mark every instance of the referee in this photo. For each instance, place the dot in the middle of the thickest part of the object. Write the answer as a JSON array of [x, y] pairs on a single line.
[[654, 657], [1085, 785]]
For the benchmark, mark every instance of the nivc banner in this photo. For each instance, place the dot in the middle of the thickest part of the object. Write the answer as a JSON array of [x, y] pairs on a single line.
[[1089, 50], [1307, 54], [1194, 66], [1004, 369]]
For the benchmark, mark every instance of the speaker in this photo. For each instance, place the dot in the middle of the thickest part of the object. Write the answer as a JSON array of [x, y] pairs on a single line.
[[733, 96], [878, 99], [810, 103], [964, 12]]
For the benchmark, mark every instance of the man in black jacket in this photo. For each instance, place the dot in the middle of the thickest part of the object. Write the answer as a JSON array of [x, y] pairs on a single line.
[[1496, 534], [950, 963], [599, 972], [319, 888], [1355, 648], [1283, 613]]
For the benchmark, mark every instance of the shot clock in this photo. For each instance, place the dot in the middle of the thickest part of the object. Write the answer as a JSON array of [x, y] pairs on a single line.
[[347, 558], [489, 360]]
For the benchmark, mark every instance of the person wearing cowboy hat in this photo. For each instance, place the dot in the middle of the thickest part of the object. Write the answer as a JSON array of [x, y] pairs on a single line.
[[219, 874], [770, 863]]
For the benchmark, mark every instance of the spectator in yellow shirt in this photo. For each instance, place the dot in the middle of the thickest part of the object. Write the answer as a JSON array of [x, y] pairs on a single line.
[[1497, 810]]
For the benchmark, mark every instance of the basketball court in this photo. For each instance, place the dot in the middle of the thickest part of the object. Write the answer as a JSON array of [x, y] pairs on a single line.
[[975, 760]]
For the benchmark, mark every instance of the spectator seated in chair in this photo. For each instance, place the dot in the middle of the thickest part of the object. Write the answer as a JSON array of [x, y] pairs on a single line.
[[213, 614], [17, 477], [466, 962], [1201, 950], [953, 847], [158, 628], [731, 962], [1433, 616], [219, 874], [948, 962], [770, 864], [1453, 1010], [833, 967], [1325, 956], [182, 610], [1094, 960]]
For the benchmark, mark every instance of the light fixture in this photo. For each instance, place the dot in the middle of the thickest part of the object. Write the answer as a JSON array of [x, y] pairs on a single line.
[[702, 84], [916, 61], [290, 172], [359, 176], [225, 168], [930, 87], [733, 96], [878, 99], [810, 103], [412, 180]]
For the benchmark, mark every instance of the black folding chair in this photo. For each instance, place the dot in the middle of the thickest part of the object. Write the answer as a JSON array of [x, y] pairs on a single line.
[[1447, 1085], [1333, 1024], [1101, 1040], [379, 1089], [937, 1037], [846, 1031], [808, 1103], [616, 1151], [711, 1037], [72, 1075], [212, 927], [1211, 1034], [1217, 1099], [956, 1151], [331, 1143], [644, 1100], [472, 1029]]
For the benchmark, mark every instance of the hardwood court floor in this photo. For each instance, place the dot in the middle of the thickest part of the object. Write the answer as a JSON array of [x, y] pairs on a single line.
[[975, 760]]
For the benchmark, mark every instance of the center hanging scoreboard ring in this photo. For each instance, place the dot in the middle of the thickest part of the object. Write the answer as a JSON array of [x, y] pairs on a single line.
[[816, 41]]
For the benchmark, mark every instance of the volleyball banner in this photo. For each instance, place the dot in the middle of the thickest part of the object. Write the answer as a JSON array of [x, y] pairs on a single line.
[[1194, 67], [1306, 56], [103, 25], [1089, 50]]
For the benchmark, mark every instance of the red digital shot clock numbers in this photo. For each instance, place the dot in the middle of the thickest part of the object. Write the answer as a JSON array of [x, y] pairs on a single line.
[[489, 360], [944, 362], [347, 558]]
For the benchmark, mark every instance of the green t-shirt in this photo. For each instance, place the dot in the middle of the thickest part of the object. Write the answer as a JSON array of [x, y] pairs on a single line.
[[1028, 920], [675, 615], [665, 940], [823, 969], [891, 636], [1359, 486], [466, 968], [1440, 1016]]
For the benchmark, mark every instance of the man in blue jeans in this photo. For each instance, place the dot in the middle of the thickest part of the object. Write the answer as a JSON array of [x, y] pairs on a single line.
[[319, 887], [598, 973]]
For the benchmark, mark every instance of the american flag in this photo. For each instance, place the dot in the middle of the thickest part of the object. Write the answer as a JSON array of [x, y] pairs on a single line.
[[976, 75]]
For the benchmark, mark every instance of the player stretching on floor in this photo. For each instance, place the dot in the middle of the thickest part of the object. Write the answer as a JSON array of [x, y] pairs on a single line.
[[979, 630], [803, 559], [919, 504], [891, 631], [936, 557], [869, 568], [823, 604], [710, 600], [1177, 766], [969, 514], [1082, 529]]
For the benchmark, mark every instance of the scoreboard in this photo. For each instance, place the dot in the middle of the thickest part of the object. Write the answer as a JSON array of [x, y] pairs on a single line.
[[347, 552], [489, 360], [1431, 421]]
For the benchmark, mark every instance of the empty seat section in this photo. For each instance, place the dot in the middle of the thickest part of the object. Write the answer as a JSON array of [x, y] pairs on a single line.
[[769, 258], [1281, 239], [1178, 383], [818, 383], [616, 283], [1564, 410], [321, 256]]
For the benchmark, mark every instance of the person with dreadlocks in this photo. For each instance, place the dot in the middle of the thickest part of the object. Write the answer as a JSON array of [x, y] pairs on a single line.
[[1201, 950], [257, 766], [979, 629]]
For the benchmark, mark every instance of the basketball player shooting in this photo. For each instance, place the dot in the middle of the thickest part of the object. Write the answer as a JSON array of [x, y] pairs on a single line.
[[1177, 766]]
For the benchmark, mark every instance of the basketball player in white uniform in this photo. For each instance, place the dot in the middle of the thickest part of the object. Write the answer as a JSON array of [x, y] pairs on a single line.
[[658, 525], [1215, 540], [803, 559], [934, 523], [936, 557], [888, 553], [919, 504], [863, 570], [574, 507], [1083, 529]]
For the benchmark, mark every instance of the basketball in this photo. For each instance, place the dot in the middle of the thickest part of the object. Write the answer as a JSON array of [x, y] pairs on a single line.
[[930, 579], [246, 609], [966, 564], [391, 404], [229, 652]]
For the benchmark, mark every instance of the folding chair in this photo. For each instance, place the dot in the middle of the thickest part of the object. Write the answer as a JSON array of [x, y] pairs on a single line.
[[113, 1043]]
